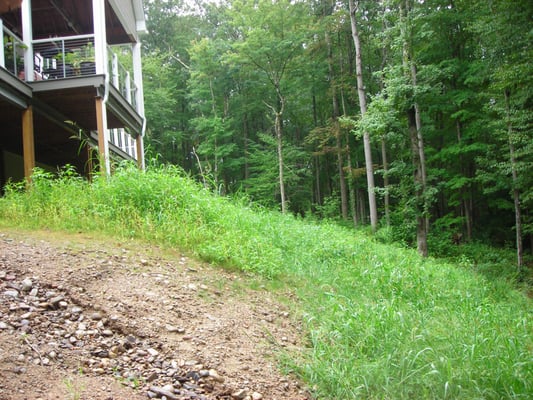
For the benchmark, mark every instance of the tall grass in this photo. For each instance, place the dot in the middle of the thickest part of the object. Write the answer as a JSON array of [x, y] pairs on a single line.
[[381, 323]]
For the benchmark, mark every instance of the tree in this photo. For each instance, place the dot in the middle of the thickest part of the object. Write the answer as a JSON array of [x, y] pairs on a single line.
[[362, 105], [271, 35]]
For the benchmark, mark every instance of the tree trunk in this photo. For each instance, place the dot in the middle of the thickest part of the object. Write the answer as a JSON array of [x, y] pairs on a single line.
[[421, 232], [336, 129], [385, 180], [280, 161], [516, 192], [278, 129], [465, 201], [351, 186], [362, 105], [417, 143]]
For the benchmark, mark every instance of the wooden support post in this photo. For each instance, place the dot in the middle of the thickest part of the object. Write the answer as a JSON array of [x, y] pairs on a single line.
[[103, 145], [28, 142]]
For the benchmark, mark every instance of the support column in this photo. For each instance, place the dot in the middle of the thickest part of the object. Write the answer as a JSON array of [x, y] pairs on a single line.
[[103, 137], [138, 78], [100, 39], [28, 143], [27, 38], [140, 152], [139, 100]]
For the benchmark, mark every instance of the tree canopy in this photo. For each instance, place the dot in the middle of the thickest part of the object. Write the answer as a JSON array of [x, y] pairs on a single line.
[[261, 97]]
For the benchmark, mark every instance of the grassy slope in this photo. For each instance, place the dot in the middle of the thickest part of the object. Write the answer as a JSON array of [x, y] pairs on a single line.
[[382, 323]]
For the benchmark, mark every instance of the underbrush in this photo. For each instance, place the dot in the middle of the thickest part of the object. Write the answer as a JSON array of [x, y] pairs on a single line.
[[381, 323]]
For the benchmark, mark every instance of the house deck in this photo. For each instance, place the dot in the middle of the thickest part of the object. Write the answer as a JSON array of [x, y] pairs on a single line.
[[69, 84]]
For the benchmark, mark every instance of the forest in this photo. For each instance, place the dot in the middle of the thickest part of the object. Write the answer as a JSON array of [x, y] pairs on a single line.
[[409, 117]]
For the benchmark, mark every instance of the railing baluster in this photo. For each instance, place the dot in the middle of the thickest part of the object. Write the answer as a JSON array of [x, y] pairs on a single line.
[[2, 58]]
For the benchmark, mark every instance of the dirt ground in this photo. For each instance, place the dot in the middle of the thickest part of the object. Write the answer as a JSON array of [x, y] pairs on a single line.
[[81, 318]]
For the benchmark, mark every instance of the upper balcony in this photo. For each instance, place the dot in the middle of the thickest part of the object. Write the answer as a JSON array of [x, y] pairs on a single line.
[[71, 52]]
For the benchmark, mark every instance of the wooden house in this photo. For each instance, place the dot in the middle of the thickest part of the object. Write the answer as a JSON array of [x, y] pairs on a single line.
[[70, 85]]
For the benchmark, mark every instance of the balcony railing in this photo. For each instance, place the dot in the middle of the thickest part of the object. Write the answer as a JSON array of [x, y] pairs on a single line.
[[72, 56], [120, 138], [121, 76], [11, 52], [65, 57]]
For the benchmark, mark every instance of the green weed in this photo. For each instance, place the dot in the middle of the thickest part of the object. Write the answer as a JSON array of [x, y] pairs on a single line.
[[381, 323]]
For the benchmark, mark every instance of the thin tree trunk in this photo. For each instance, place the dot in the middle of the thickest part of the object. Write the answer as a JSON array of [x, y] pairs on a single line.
[[421, 233], [516, 192], [318, 194], [386, 180], [362, 105], [351, 186], [278, 129], [246, 151], [280, 161], [465, 203], [417, 143], [336, 129], [420, 146], [384, 143]]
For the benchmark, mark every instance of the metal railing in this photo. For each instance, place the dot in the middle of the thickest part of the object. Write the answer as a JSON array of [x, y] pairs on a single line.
[[64, 57], [12, 52], [71, 56]]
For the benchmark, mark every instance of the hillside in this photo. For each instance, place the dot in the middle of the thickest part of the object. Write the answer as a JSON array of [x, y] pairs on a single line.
[[376, 320]]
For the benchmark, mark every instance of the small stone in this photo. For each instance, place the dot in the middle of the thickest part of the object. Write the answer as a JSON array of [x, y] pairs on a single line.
[[171, 328], [25, 328], [214, 374], [96, 316], [163, 391], [76, 310], [11, 293], [54, 301], [153, 352], [26, 315], [257, 396], [107, 332], [26, 285], [3, 325], [239, 394], [152, 377], [19, 370]]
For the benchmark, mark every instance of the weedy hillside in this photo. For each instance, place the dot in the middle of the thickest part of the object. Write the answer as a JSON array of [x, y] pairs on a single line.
[[380, 322]]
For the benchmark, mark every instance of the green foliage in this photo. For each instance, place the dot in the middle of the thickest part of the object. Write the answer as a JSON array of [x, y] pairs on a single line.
[[380, 322]]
